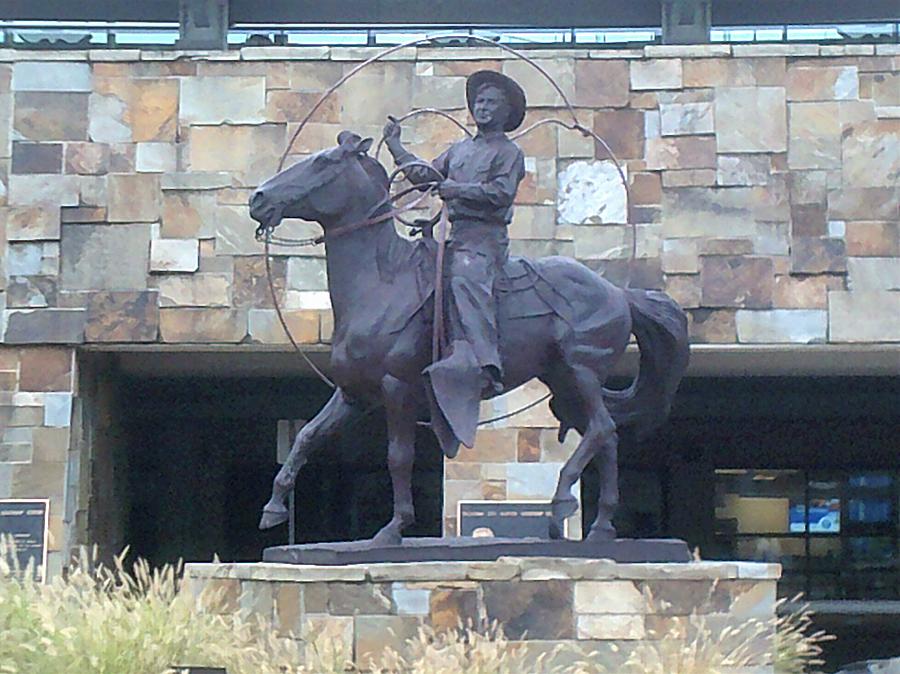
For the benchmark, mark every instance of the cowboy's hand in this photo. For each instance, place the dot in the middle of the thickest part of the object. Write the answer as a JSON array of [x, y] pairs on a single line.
[[391, 130], [449, 189]]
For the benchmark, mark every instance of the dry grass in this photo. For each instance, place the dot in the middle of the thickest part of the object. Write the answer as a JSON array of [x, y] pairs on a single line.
[[798, 648], [104, 620], [465, 651], [109, 620]]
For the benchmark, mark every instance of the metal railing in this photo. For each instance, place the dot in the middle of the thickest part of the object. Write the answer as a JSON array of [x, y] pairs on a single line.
[[94, 35]]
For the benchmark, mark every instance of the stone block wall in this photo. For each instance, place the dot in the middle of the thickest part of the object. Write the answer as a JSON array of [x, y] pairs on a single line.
[[37, 387], [566, 610], [764, 185], [517, 458]]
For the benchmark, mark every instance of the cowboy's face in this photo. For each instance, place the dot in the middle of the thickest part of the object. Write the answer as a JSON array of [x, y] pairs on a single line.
[[491, 108]]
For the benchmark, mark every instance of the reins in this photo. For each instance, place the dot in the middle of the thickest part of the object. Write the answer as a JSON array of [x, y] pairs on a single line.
[[266, 233]]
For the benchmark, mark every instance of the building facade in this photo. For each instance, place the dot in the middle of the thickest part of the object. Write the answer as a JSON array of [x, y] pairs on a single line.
[[143, 367]]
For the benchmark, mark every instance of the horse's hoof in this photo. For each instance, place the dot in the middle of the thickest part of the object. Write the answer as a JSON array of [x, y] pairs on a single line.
[[561, 509], [564, 507], [557, 530], [600, 534], [272, 517], [389, 535]]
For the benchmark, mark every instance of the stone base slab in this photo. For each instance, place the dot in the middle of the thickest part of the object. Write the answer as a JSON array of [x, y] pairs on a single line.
[[465, 549], [563, 607]]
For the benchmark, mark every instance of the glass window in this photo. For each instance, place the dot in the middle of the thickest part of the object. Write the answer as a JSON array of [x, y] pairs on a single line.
[[758, 501], [640, 514], [835, 533]]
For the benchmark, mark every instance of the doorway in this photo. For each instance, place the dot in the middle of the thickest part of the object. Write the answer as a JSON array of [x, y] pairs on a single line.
[[195, 456]]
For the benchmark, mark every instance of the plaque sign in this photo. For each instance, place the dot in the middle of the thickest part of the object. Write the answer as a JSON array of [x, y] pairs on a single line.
[[26, 522], [505, 519]]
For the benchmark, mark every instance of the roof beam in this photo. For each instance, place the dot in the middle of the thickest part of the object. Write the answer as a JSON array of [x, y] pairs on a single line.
[[530, 13], [157, 11]]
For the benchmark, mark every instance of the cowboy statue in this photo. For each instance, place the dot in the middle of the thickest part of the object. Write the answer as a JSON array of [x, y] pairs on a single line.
[[479, 179], [553, 319]]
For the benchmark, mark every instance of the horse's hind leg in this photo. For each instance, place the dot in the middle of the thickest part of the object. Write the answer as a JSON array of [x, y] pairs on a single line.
[[593, 421], [338, 412]]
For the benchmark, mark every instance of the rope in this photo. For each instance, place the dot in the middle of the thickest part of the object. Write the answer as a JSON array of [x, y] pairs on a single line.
[[416, 113], [284, 324], [575, 125], [533, 403], [437, 336], [590, 133], [412, 43]]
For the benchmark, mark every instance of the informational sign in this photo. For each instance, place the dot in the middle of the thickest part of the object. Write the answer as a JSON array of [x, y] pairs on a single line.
[[504, 519], [26, 523]]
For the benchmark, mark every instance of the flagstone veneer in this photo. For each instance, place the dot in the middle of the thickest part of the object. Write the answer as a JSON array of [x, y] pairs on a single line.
[[562, 608], [763, 177]]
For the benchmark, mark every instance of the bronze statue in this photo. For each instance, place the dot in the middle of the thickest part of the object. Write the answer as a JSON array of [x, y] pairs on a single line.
[[480, 178], [510, 320]]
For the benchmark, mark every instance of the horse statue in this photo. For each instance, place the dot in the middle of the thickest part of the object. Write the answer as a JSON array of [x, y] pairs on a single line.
[[559, 321]]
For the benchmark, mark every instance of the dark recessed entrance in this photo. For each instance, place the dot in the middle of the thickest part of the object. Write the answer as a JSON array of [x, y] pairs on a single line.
[[804, 471], [189, 463]]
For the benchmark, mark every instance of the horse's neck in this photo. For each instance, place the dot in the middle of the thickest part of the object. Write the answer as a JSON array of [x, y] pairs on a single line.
[[356, 264]]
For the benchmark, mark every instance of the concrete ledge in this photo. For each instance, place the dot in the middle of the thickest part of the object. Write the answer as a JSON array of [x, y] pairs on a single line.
[[717, 360], [505, 568], [688, 51], [775, 49], [426, 53]]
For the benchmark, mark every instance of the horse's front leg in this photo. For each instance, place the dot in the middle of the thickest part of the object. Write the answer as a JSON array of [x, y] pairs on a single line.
[[338, 412], [401, 421]]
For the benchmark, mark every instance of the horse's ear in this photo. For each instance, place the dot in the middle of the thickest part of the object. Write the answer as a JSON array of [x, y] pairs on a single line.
[[345, 138], [353, 143]]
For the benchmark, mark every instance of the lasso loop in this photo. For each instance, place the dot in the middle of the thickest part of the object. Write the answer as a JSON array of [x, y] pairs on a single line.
[[574, 125]]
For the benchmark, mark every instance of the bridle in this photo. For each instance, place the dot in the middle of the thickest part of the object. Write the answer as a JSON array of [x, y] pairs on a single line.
[[266, 232]]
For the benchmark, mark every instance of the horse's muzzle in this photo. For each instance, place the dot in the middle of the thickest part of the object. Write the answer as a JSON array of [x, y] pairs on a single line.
[[258, 207], [267, 215]]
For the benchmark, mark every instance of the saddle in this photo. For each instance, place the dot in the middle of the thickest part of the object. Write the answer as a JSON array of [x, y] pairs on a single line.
[[520, 292], [520, 289]]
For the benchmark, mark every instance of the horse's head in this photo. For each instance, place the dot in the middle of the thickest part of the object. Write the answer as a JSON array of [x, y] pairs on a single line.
[[321, 187]]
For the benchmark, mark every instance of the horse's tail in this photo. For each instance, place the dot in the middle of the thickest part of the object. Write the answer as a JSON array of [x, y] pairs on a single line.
[[660, 326]]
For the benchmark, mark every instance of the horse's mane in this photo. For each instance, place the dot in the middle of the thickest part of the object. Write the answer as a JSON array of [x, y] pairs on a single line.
[[375, 170], [398, 254]]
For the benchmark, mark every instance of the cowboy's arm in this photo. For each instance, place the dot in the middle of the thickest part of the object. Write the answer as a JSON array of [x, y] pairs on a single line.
[[419, 172]]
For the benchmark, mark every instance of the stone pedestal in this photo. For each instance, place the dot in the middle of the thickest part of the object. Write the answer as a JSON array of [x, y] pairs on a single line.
[[583, 606], [468, 549]]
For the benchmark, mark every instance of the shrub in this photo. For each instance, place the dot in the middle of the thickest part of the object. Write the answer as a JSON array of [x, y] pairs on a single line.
[[465, 651], [107, 620], [104, 620], [797, 648]]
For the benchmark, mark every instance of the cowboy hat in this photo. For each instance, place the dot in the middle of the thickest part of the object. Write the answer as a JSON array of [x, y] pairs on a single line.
[[514, 94]]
